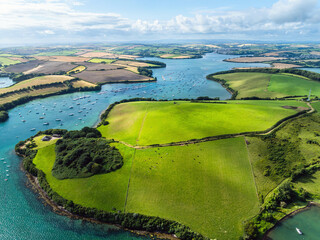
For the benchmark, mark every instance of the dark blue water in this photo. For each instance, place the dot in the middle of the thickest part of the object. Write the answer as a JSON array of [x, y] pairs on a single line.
[[22, 214]]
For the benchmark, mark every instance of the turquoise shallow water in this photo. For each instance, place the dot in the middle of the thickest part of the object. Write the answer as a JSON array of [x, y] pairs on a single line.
[[317, 70], [5, 82], [22, 214], [307, 221]]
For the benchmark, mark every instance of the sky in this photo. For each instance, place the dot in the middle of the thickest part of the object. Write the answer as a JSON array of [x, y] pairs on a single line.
[[80, 21]]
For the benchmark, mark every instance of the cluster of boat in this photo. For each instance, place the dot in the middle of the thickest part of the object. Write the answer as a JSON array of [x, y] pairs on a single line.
[[7, 168]]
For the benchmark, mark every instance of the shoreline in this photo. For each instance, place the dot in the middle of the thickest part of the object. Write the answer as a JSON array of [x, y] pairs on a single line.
[[289, 215], [33, 184]]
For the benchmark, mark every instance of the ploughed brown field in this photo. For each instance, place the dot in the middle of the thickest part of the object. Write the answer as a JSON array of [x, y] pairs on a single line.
[[38, 66], [113, 76], [51, 67], [22, 67]]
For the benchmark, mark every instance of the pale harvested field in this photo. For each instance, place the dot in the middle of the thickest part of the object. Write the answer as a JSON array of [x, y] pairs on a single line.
[[274, 54], [81, 83], [44, 91], [182, 57], [113, 76], [212, 46], [174, 56], [315, 53], [252, 59], [132, 69], [62, 58], [94, 54], [36, 82], [132, 64], [19, 59], [127, 56], [284, 65]]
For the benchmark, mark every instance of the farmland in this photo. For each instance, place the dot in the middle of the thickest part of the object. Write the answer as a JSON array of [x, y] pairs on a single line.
[[196, 185], [215, 163], [38, 81], [99, 66], [7, 61], [253, 59], [57, 53], [101, 60], [104, 191], [145, 123], [263, 85], [41, 86], [118, 75], [77, 69]]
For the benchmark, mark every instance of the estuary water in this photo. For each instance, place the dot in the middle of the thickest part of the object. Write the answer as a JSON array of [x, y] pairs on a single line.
[[22, 214], [5, 82], [307, 221]]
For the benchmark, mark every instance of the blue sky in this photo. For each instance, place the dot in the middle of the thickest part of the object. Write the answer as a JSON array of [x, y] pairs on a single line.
[[73, 21]]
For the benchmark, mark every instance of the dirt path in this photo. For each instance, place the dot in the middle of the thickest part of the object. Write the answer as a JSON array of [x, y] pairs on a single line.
[[142, 124]]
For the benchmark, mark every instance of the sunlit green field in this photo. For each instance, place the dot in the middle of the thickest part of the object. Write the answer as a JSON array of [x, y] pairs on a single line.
[[106, 191], [57, 53], [7, 61], [293, 85], [208, 187], [254, 84], [145, 123], [101, 60]]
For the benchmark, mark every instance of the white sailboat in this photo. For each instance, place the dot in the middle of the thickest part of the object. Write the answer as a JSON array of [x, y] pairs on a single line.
[[299, 231]]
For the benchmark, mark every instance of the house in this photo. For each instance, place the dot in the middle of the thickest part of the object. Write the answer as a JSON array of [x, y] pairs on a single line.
[[46, 138]]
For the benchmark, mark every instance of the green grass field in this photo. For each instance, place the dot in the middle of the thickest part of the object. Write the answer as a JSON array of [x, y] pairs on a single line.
[[250, 84], [7, 61], [293, 85], [101, 60], [208, 187], [145, 123], [106, 191], [57, 53]]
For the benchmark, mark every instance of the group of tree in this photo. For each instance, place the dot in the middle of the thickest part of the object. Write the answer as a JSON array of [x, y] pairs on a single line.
[[4, 116], [84, 153]]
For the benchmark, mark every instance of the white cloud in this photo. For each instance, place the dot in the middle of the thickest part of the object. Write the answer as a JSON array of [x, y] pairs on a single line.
[[292, 10], [47, 32], [60, 18]]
